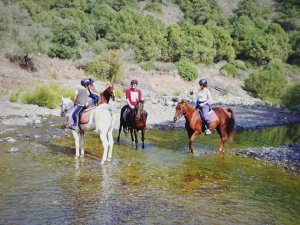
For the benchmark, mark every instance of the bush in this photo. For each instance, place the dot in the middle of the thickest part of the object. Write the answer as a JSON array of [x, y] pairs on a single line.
[[187, 69], [47, 96], [291, 97], [119, 93], [147, 66], [98, 69], [229, 69], [268, 83], [14, 97]]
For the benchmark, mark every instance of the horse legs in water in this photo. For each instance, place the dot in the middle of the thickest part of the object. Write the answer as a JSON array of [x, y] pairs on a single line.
[[192, 134], [223, 134], [143, 137], [136, 139], [81, 141], [131, 135], [78, 137], [110, 143]]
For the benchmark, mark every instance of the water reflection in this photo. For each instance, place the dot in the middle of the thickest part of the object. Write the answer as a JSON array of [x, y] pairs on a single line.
[[42, 183]]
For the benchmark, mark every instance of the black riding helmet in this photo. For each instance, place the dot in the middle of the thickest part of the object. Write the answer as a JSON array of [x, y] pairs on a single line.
[[203, 82]]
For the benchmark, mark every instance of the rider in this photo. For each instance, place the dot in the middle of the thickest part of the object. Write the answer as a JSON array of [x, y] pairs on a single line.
[[133, 96], [203, 99], [81, 101], [93, 91]]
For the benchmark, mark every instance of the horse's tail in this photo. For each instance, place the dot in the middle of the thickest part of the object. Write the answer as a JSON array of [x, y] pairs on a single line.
[[231, 124]]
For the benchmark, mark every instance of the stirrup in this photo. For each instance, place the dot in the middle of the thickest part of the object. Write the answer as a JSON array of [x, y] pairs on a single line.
[[207, 132]]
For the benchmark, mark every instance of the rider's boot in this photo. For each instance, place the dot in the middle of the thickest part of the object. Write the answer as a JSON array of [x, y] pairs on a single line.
[[75, 124], [207, 131]]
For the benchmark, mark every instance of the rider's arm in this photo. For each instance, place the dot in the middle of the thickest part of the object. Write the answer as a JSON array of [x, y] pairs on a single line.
[[128, 99], [209, 97]]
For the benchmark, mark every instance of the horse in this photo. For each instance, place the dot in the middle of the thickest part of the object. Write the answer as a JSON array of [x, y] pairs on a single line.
[[134, 123], [220, 119], [99, 118], [107, 94]]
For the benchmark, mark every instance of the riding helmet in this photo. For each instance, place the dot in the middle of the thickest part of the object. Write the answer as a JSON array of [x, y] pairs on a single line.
[[85, 82], [134, 82], [92, 80], [203, 82]]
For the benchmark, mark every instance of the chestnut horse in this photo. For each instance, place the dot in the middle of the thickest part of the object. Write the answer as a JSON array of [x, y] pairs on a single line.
[[221, 119], [108, 93], [134, 123]]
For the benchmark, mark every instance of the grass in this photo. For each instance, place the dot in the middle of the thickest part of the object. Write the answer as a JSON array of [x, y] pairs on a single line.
[[47, 95]]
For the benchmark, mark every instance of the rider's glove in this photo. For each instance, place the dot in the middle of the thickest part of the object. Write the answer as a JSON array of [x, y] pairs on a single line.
[[131, 106]]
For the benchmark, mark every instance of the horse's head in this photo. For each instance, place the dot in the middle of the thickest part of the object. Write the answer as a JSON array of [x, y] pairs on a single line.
[[109, 93], [65, 105], [179, 110], [139, 109]]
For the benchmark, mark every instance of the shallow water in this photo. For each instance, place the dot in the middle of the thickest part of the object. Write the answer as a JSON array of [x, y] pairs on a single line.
[[42, 183]]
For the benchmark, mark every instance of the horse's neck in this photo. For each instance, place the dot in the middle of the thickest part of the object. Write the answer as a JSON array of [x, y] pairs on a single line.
[[189, 111], [104, 97]]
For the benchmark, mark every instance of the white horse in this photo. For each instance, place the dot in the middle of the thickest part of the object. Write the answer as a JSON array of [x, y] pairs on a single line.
[[101, 120]]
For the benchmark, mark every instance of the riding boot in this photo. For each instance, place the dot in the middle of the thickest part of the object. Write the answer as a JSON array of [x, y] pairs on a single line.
[[75, 125], [207, 131]]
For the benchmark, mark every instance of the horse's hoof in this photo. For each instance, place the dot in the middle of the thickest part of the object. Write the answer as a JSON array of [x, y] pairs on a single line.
[[108, 159], [81, 156], [76, 157], [102, 162]]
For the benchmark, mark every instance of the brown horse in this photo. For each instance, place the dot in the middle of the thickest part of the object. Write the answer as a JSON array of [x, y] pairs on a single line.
[[107, 94], [134, 122], [220, 119]]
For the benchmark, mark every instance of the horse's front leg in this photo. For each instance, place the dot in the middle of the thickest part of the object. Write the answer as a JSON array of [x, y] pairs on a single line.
[[120, 129], [131, 134], [143, 137], [192, 136], [77, 143], [81, 142], [136, 139]]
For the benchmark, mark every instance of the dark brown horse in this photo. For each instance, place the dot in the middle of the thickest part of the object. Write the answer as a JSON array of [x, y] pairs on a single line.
[[107, 94], [134, 122], [220, 119]]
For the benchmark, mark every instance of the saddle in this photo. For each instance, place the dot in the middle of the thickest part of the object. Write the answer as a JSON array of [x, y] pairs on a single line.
[[212, 116], [85, 115]]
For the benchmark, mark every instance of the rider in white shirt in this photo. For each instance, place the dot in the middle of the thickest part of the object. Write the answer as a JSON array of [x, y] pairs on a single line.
[[203, 98]]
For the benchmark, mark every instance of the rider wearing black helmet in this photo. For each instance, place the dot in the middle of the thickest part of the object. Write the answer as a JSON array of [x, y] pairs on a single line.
[[81, 101], [203, 99]]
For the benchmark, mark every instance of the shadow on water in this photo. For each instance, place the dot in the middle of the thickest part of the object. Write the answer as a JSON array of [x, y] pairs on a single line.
[[42, 182]]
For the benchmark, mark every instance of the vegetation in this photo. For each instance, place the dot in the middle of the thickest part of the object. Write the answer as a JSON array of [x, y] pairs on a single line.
[[47, 96], [187, 70], [291, 97], [250, 39]]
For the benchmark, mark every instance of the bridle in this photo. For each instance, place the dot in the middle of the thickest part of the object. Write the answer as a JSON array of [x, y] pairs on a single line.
[[64, 112]]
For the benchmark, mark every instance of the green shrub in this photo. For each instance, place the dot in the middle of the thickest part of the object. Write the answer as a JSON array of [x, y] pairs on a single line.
[[268, 83], [109, 69], [229, 69], [147, 66], [98, 69], [14, 97], [239, 64], [291, 97], [47, 96], [187, 69], [119, 93]]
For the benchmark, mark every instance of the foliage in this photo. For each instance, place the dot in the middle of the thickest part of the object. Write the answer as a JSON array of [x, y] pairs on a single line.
[[119, 93], [229, 69], [253, 9], [187, 69], [14, 97], [109, 69], [98, 69], [291, 97], [222, 43], [261, 45], [147, 66], [47, 96], [268, 83]]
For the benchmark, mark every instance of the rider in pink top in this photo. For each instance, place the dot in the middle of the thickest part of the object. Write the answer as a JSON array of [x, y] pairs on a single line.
[[133, 94]]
